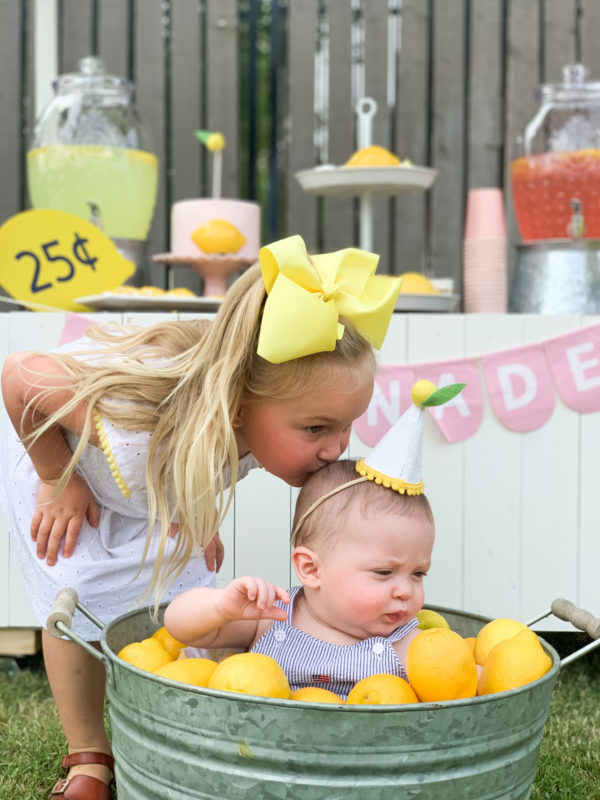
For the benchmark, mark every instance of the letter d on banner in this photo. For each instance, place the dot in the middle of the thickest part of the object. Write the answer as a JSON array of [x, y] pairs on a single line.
[[520, 387]]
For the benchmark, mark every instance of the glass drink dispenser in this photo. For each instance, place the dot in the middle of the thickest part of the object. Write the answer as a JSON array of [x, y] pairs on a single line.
[[90, 156], [556, 182]]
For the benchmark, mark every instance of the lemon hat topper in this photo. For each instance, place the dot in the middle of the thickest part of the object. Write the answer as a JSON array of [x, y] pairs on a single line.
[[395, 462], [308, 295]]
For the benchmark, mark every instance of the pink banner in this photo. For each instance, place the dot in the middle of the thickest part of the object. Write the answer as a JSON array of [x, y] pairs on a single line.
[[75, 327], [520, 387], [575, 363], [391, 398], [461, 417]]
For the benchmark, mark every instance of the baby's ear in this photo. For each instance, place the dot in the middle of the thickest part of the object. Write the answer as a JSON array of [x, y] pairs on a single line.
[[306, 564]]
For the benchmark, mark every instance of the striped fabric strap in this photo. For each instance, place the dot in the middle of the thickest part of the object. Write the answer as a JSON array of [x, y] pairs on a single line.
[[106, 449]]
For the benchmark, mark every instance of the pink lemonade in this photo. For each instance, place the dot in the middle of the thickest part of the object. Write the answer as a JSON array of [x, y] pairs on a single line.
[[543, 186], [121, 182]]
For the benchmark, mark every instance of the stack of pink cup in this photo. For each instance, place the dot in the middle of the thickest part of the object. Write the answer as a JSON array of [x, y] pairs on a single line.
[[484, 255]]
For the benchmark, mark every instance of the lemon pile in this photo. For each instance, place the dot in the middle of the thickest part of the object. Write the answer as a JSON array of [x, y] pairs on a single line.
[[441, 665], [416, 283]]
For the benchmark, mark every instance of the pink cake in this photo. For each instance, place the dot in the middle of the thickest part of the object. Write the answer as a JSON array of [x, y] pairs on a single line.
[[189, 215]]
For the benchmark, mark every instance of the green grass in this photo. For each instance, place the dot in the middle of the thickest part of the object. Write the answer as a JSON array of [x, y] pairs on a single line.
[[31, 742]]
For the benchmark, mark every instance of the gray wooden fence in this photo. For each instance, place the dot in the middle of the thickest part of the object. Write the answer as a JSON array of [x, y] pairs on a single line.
[[454, 82]]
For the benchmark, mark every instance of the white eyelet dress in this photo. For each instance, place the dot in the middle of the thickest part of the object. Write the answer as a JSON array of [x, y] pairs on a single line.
[[103, 568]]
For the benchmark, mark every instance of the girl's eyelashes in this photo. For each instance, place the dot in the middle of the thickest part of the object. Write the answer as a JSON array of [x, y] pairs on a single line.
[[315, 428]]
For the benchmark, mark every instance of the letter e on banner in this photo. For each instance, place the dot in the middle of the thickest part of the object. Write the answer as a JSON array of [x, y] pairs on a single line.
[[391, 398], [520, 387], [575, 363]]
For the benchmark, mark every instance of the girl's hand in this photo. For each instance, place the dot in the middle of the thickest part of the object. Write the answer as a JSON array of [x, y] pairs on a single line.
[[252, 598], [62, 518], [214, 552]]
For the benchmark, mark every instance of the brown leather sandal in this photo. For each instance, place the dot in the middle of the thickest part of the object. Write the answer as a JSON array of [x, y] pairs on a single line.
[[83, 787]]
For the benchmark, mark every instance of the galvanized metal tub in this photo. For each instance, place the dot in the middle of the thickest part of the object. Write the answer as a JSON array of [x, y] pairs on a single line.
[[175, 741]]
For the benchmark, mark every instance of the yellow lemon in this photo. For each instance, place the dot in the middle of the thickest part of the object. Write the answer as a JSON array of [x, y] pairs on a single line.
[[150, 291], [251, 673], [492, 633], [470, 640], [216, 141], [514, 662], [149, 654], [218, 236], [373, 156], [440, 666], [315, 694], [431, 619], [171, 645], [196, 671], [181, 292], [420, 392], [415, 283], [381, 690]]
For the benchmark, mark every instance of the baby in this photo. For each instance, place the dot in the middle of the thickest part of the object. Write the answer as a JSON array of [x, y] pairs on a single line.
[[360, 552]]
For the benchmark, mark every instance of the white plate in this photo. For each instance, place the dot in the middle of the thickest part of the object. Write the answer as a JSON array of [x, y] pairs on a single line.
[[427, 302], [114, 301], [358, 180]]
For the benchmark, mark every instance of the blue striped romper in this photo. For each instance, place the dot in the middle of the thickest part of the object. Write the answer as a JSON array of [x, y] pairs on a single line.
[[311, 662]]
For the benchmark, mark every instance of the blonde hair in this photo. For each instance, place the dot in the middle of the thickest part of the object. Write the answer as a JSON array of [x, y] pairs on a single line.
[[184, 382], [325, 522]]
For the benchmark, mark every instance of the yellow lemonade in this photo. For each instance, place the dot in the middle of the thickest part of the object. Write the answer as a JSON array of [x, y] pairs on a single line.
[[120, 182]]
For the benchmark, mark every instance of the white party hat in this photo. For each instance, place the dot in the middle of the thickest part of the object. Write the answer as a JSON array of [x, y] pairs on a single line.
[[395, 462]]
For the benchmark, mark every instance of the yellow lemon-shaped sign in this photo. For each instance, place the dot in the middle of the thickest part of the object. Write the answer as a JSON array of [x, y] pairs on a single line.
[[218, 236], [49, 258]]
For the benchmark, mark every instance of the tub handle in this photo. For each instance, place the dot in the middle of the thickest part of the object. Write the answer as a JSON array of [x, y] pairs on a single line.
[[59, 624], [578, 617]]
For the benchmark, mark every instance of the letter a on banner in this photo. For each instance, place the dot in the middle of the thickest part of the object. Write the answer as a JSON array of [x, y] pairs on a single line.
[[460, 417], [391, 398], [520, 387]]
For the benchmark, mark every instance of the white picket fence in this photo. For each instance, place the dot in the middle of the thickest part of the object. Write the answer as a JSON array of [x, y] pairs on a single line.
[[517, 515]]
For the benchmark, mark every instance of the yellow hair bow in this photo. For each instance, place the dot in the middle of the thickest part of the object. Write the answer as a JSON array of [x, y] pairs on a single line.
[[306, 297]]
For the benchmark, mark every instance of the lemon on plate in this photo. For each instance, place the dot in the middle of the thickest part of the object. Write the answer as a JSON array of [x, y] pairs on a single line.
[[513, 662], [440, 666], [251, 673], [381, 689], [416, 283], [373, 156]]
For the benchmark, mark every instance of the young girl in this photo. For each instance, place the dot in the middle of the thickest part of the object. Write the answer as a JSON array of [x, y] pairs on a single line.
[[360, 555], [116, 471]]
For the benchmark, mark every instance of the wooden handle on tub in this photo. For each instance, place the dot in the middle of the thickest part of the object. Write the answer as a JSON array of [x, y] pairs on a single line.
[[62, 611], [564, 609]]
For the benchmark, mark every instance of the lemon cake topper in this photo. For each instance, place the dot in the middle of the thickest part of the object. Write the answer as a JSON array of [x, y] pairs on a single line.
[[395, 462], [215, 142]]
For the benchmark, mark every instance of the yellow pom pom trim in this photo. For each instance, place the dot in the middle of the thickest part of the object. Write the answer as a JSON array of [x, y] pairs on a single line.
[[105, 446], [397, 484]]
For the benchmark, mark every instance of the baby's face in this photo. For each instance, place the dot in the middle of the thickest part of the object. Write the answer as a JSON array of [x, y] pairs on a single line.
[[372, 576]]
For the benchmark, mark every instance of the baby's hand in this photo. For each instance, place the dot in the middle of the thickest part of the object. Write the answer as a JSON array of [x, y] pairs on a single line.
[[62, 518], [253, 598]]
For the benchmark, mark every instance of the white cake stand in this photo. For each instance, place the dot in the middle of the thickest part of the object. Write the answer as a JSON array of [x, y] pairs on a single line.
[[213, 267], [363, 182]]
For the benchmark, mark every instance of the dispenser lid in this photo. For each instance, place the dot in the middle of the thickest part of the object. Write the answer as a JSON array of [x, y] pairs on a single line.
[[574, 88], [91, 78]]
